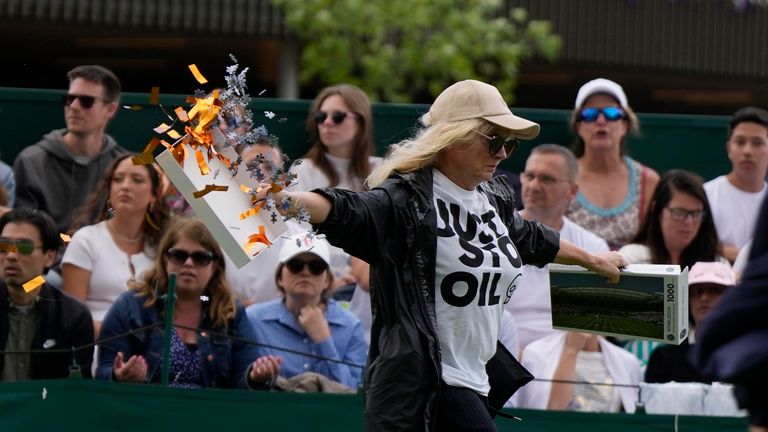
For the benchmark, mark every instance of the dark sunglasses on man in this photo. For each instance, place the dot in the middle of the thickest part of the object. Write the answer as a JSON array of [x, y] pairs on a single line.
[[24, 247], [85, 101], [316, 266], [337, 117], [590, 115], [199, 258], [496, 142]]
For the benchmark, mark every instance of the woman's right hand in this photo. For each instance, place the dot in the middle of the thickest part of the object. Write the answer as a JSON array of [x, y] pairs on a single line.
[[133, 370]]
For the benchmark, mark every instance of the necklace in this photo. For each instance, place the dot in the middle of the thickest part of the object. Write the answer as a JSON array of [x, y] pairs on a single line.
[[114, 231]]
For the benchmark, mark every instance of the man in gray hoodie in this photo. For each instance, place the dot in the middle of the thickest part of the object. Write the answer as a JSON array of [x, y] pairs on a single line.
[[57, 173]]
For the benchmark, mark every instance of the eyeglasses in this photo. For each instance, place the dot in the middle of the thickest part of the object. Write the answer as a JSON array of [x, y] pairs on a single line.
[[199, 258], [85, 101], [316, 266], [590, 115], [681, 214], [496, 142], [698, 290], [544, 179], [24, 247], [337, 117]]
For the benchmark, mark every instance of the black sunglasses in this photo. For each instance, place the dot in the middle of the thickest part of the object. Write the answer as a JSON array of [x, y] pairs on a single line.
[[611, 114], [85, 101], [495, 143], [316, 266], [337, 117], [199, 258]]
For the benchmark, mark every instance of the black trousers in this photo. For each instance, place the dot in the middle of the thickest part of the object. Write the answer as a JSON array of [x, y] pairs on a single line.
[[462, 410]]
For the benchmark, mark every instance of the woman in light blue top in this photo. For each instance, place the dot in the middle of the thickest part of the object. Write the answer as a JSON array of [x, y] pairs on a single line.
[[305, 320]]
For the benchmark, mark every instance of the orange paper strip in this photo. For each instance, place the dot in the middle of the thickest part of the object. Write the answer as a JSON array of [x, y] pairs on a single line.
[[173, 134], [250, 212], [154, 96], [198, 76], [210, 188], [65, 238], [143, 159], [33, 284], [162, 128], [245, 189], [182, 114], [204, 170], [253, 239]]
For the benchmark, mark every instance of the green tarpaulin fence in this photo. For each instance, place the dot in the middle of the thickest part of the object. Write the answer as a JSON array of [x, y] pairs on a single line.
[[85, 405]]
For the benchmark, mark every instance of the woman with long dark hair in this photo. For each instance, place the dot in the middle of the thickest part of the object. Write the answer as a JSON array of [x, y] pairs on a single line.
[[678, 228], [115, 235]]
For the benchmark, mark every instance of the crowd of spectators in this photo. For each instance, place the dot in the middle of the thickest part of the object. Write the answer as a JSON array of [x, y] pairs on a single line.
[[293, 302]]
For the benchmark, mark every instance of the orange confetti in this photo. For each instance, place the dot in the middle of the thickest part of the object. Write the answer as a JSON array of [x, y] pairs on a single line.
[[154, 96], [198, 76], [146, 158], [33, 284], [204, 170], [254, 239], [182, 114], [133, 107], [210, 188], [245, 189], [173, 134], [250, 212], [162, 128], [65, 238], [143, 159]]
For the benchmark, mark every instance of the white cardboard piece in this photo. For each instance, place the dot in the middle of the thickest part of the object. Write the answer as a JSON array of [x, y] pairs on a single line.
[[220, 211], [649, 302]]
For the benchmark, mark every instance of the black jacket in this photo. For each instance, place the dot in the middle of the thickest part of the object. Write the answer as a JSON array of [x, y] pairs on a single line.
[[732, 343], [63, 323], [393, 227]]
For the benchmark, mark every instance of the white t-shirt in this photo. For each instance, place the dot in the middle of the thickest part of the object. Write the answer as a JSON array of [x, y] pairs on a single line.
[[733, 210], [531, 305], [477, 269], [309, 176], [93, 249]]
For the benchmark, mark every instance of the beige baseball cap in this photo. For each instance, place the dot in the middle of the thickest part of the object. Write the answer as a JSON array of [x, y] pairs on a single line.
[[471, 99]]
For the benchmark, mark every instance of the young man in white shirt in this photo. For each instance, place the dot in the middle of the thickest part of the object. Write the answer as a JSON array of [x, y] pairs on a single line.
[[735, 198]]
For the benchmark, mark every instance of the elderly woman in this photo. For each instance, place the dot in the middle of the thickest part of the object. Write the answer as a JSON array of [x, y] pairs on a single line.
[[306, 319], [614, 189], [205, 316], [448, 248]]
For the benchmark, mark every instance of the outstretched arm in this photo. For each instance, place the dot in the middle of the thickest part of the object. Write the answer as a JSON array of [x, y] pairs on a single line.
[[607, 264]]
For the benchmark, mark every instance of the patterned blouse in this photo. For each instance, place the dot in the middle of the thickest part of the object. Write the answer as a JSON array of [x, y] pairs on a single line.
[[616, 225], [184, 368]]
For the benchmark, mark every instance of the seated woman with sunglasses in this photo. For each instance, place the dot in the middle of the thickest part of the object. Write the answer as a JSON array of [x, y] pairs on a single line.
[[446, 249], [206, 318], [678, 229], [613, 188], [306, 320]]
